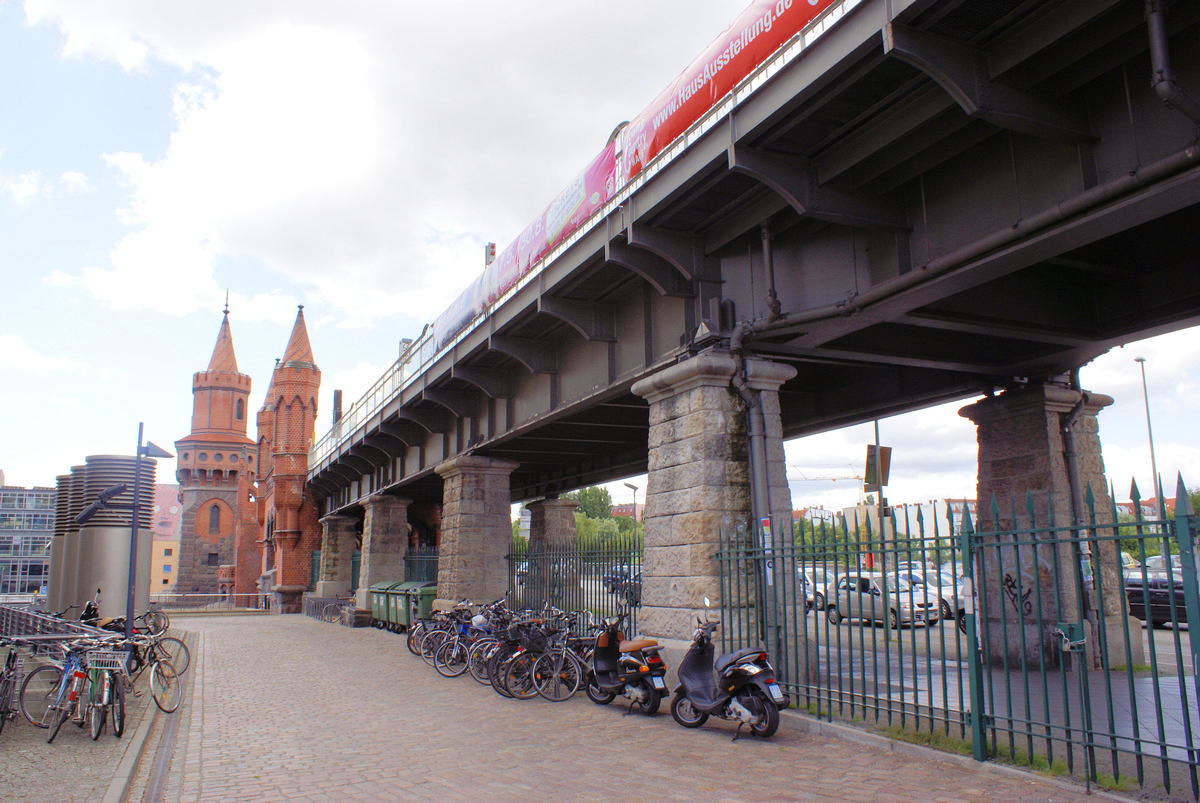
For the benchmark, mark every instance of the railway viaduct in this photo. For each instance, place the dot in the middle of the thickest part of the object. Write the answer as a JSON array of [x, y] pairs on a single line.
[[911, 202]]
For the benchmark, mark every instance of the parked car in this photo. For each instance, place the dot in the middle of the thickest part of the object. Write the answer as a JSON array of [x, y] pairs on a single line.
[[935, 583], [1149, 596], [870, 596], [815, 582], [616, 577]]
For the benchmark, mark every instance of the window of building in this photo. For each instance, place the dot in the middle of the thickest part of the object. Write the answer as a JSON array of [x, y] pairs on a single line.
[[167, 552], [165, 581], [241, 409], [166, 567], [214, 519], [213, 558]]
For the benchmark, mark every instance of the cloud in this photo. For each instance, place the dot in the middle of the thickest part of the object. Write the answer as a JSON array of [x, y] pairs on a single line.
[[16, 355], [26, 188], [364, 152]]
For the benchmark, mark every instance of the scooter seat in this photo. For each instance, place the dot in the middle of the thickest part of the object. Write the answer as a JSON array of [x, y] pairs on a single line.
[[638, 644], [725, 661]]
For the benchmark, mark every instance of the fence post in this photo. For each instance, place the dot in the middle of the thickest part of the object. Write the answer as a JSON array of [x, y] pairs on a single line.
[[976, 715], [1185, 537]]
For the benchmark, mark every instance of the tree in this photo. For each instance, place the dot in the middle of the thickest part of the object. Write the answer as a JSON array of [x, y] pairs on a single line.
[[595, 503]]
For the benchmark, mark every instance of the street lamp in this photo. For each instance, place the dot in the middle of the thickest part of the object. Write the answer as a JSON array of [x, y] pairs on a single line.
[[1150, 433], [633, 488]]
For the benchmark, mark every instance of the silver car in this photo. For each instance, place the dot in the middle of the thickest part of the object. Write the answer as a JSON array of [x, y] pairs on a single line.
[[870, 596]]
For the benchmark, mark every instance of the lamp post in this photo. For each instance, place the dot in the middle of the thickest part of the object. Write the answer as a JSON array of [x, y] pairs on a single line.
[[633, 488], [1158, 500], [149, 450]]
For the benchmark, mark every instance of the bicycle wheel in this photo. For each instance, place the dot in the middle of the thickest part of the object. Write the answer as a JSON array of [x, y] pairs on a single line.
[[477, 658], [164, 686], [430, 643], [556, 676], [497, 668], [175, 651], [38, 693], [413, 639], [332, 613], [451, 658], [59, 716], [7, 699], [518, 676], [118, 706], [96, 714]]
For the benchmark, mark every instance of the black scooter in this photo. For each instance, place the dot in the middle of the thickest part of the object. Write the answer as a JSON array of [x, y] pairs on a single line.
[[633, 669], [742, 687]]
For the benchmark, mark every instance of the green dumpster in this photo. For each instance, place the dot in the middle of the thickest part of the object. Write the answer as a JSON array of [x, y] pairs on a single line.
[[398, 607], [421, 595], [380, 597]]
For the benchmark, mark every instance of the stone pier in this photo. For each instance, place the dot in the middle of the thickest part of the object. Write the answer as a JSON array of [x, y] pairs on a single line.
[[698, 482], [476, 529], [385, 540], [1022, 452], [339, 540]]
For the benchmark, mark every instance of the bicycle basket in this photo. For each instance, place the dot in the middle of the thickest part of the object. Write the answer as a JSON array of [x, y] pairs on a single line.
[[107, 659]]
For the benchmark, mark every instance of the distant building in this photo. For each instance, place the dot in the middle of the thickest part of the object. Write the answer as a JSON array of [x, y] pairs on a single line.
[[629, 510], [26, 526], [165, 525]]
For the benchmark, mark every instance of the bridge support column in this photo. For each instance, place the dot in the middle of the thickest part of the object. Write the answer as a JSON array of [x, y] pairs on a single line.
[[699, 481], [551, 535], [337, 551], [1022, 452], [476, 528], [385, 539]]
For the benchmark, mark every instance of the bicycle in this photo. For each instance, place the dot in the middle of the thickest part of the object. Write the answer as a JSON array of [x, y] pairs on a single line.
[[8, 680], [108, 676], [164, 678]]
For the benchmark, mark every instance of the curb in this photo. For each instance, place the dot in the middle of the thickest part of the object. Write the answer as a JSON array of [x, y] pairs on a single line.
[[134, 751], [847, 733]]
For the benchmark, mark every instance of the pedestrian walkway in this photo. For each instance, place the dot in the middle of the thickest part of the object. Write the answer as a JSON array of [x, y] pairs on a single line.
[[288, 708]]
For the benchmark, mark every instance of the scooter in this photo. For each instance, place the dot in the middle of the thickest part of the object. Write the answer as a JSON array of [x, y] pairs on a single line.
[[632, 669], [742, 688]]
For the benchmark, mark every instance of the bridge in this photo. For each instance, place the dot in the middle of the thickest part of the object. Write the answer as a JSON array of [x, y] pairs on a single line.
[[908, 202]]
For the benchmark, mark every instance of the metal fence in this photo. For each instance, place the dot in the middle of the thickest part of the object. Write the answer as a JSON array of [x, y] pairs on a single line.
[[604, 581], [421, 564], [1017, 645]]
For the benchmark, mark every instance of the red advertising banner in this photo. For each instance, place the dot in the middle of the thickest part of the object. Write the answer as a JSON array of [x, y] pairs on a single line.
[[757, 33]]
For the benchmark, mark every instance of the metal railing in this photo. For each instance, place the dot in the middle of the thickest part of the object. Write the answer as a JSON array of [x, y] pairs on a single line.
[[203, 603], [603, 582], [1036, 656]]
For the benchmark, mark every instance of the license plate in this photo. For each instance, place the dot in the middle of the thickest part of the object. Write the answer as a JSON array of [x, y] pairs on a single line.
[[658, 683], [776, 692]]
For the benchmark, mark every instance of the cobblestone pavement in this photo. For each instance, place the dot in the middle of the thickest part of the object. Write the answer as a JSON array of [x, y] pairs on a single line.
[[289, 708], [73, 768]]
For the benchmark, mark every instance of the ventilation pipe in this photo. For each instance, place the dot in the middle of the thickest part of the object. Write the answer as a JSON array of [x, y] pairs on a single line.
[[1162, 76]]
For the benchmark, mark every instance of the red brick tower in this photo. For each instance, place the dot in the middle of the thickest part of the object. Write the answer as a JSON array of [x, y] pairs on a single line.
[[287, 515], [216, 467]]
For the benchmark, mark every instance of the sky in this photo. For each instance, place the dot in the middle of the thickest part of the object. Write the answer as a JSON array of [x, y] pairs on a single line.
[[158, 159]]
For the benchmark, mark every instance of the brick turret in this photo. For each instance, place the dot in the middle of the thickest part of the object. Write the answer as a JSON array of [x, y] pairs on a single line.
[[216, 468], [286, 425]]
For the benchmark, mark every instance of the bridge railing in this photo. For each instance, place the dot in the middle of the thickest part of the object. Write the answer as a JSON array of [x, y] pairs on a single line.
[[423, 352]]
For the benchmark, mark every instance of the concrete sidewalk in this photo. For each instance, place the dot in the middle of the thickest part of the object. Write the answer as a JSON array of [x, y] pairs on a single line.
[[288, 708]]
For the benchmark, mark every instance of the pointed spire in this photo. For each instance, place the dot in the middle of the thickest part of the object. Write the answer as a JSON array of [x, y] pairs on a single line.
[[298, 349], [223, 358]]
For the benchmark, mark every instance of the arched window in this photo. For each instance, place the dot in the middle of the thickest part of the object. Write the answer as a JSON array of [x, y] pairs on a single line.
[[241, 409], [214, 519]]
